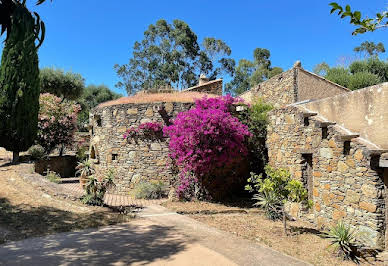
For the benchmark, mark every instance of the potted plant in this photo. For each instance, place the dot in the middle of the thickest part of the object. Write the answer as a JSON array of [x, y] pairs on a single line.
[[84, 169]]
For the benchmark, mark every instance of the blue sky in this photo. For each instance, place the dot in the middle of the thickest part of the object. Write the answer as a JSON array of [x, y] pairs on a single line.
[[90, 36]]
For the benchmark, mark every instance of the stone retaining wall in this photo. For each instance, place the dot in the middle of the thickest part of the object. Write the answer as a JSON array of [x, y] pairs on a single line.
[[132, 161], [344, 179]]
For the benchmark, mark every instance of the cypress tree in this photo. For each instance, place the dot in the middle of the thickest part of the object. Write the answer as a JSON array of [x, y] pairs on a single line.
[[19, 84]]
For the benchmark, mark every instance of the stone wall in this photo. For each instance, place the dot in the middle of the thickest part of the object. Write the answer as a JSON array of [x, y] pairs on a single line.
[[131, 161], [346, 180], [363, 111], [312, 87], [211, 87]]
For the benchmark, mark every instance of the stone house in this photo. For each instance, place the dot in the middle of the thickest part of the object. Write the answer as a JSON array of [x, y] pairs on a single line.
[[337, 145], [140, 160]]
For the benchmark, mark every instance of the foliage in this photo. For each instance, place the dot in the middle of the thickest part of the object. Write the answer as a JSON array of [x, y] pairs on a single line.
[[204, 139], [53, 177], [85, 168], [148, 130], [19, 83], [250, 73], [9, 10], [36, 152], [343, 240], [170, 55], [57, 122], [150, 190], [370, 49], [363, 24], [360, 74], [82, 153], [66, 85], [275, 190], [95, 189], [92, 96]]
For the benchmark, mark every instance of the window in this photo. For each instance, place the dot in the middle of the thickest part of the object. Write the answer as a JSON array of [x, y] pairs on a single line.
[[306, 121], [347, 147], [325, 132], [98, 120], [93, 153], [115, 156]]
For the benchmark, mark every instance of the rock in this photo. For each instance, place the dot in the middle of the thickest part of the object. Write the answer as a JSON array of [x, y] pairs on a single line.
[[131, 155], [369, 191], [326, 153], [132, 111], [370, 207], [338, 215], [149, 112], [156, 147], [358, 155], [342, 167], [352, 197]]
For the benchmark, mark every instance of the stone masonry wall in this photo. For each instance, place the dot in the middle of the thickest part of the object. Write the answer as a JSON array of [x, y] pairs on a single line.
[[211, 87], [346, 181], [132, 162], [280, 90]]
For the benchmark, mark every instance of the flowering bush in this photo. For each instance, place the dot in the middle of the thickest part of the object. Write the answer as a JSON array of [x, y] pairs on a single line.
[[149, 130], [205, 139], [57, 121]]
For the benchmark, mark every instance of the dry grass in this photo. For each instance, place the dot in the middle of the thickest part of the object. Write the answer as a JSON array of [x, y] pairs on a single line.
[[26, 211], [303, 241], [184, 97]]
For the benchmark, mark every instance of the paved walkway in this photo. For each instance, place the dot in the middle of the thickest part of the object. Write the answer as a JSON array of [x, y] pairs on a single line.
[[72, 184], [157, 237]]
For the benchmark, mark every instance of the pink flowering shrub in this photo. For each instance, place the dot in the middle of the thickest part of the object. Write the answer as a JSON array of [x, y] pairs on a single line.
[[205, 139], [57, 122], [149, 130]]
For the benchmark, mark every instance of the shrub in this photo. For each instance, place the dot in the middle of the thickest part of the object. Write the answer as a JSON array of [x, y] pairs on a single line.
[[57, 122], [204, 140], [275, 189], [85, 168], [151, 190], [82, 153], [95, 190], [36, 152], [53, 177], [361, 80], [343, 240]]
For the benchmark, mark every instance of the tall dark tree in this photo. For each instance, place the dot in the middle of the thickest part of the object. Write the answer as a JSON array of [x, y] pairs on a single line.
[[248, 73], [19, 81], [66, 85], [169, 55]]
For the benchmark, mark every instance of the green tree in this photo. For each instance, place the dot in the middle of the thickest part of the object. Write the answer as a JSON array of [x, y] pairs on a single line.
[[370, 49], [169, 55], [363, 24], [92, 96], [19, 82], [248, 73], [66, 85]]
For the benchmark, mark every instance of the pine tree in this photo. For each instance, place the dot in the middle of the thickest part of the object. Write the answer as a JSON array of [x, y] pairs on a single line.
[[19, 83]]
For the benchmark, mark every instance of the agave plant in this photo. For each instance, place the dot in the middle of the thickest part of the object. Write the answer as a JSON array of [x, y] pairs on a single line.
[[270, 203], [343, 240], [85, 168], [95, 189]]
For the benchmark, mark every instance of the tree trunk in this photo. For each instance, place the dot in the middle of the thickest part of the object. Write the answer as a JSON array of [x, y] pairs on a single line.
[[61, 150], [15, 158], [284, 220]]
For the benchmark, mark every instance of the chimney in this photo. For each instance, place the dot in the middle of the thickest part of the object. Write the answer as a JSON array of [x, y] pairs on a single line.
[[203, 79]]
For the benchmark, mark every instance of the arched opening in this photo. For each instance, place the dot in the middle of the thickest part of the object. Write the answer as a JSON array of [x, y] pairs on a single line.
[[94, 155]]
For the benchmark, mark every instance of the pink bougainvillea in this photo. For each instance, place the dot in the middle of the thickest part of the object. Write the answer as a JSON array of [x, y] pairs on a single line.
[[57, 121], [205, 138]]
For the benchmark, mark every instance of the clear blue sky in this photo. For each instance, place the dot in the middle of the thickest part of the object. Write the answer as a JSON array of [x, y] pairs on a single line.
[[90, 36]]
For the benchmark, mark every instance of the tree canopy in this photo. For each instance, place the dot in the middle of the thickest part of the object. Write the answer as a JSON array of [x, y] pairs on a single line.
[[67, 85], [363, 24], [370, 49], [248, 74], [170, 55]]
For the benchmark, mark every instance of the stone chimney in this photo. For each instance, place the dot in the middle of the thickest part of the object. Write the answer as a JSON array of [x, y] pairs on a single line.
[[298, 64], [203, 79]]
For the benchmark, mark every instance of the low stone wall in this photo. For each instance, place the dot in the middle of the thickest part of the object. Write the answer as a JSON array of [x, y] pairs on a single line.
[[132, 161], [342, 175], [62, 165]]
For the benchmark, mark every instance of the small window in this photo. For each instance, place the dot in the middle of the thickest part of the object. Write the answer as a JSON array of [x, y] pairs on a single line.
[[307, 173], [115, 156], [306, 121], [93, 153], [347, 147], [325, 133], [98, 120]]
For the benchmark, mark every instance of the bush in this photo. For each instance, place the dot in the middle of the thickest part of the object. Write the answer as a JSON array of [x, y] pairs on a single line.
[[204, 140], [361, 80], [343, 240], [151, 190], [36, 152], [95, 189], [53, 177], [57, 122], [82, 154]]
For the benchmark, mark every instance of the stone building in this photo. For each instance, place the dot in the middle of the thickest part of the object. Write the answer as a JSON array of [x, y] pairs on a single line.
[[336, 142], [294, 85], [140, 160]]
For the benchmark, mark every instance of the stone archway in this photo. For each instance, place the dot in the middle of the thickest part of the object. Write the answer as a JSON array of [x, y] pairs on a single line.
[[93, 155]]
